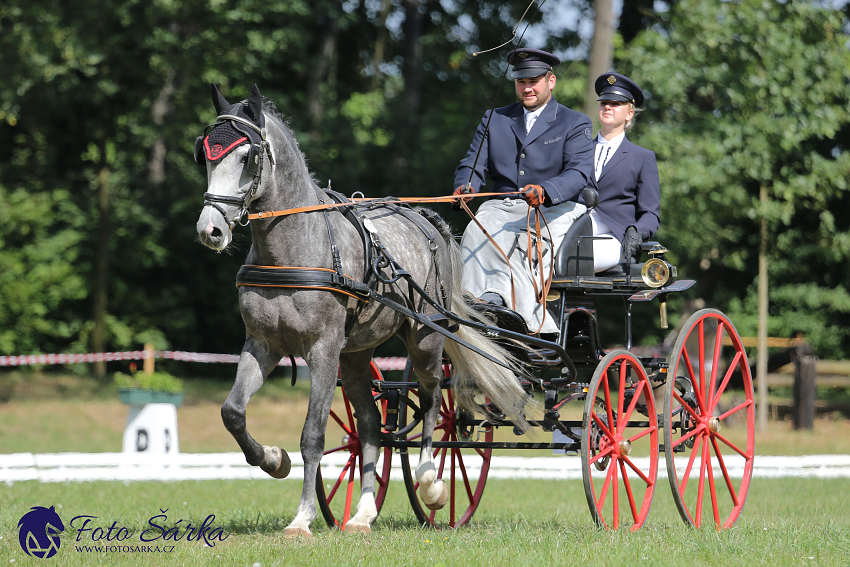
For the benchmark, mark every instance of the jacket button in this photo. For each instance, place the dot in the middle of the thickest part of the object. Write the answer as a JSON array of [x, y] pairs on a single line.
[[522, 155], [521, 172]]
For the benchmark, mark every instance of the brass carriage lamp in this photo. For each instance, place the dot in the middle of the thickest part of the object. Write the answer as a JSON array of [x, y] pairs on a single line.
[[656, 272]]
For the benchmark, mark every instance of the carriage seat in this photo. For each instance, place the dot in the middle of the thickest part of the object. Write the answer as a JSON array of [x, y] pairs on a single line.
[[575, 255]]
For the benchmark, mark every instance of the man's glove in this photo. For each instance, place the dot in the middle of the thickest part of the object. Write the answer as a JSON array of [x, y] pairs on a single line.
[[631, 245], [462, 190], [533, 195]]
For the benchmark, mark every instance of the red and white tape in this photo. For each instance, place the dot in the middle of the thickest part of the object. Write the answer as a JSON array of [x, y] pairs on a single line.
[[383, 362]]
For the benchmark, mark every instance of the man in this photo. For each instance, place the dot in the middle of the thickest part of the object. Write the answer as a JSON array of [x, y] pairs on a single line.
[[541, 150]]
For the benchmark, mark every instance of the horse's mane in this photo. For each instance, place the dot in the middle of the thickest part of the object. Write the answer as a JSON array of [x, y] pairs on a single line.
[[283, 122], [437, 221]]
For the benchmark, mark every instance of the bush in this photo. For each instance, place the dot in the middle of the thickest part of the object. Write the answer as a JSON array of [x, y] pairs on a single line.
[[157, 381]]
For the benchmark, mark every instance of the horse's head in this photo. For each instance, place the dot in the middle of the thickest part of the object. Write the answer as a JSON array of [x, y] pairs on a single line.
[[233, 149]]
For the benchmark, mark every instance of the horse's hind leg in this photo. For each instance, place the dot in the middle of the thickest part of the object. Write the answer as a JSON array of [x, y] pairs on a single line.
[[356, 379], [427, 363], [254, 365]]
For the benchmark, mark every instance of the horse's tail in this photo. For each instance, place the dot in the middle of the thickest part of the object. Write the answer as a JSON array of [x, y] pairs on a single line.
[[499, 385]]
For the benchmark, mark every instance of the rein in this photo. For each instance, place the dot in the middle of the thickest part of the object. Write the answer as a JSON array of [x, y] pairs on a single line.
[[334, 280], [326, 206], [545, 283]]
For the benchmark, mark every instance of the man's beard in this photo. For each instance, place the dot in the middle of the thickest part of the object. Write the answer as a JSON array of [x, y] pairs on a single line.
[[540, 101]]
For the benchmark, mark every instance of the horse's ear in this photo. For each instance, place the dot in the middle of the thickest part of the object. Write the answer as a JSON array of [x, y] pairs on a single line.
[[255, 106], [219, 101]]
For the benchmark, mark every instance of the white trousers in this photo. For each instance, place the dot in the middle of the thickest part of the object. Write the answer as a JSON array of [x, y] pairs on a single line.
[[484, 268], [607, 250]]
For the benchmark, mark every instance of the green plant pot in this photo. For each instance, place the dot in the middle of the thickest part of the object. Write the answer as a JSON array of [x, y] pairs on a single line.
[[136, 397]]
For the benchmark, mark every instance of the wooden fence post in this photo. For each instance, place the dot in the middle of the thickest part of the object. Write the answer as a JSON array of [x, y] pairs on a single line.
[[803, 356], [150, 356]]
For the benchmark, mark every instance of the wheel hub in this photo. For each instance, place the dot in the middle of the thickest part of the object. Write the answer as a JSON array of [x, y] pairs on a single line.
[[714, 424], [625, 447], [351, 442]]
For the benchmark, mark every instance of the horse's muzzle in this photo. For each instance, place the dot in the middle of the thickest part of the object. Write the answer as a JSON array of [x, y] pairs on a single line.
[[213, 230]]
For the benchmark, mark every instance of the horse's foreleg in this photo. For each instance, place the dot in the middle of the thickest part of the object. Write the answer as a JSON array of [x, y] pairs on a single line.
[[323, 374], [254, 365], [356, 379], [434, 492]]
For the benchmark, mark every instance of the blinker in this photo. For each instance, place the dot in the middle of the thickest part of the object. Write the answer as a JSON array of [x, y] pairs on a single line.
[[199, 150], [252, 164]]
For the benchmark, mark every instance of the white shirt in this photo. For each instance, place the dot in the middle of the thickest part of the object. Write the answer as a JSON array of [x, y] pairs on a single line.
[[604, 150], [532, 116]]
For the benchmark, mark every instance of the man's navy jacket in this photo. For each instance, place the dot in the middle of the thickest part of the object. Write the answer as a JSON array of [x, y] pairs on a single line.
[[557, 154]]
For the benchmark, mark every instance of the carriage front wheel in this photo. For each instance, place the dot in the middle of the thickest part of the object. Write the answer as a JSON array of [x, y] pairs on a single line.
[[338, 496], [619, 442], [709, 420]]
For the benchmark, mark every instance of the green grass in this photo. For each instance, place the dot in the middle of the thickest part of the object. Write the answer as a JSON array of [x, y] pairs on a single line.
[[785, 522]]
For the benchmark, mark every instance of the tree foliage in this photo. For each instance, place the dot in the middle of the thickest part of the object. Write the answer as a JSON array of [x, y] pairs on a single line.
[[745, 95], [384, 96]]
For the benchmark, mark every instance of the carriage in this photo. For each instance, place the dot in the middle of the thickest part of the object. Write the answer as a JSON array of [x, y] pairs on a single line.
[[622, 431], [619, 410]]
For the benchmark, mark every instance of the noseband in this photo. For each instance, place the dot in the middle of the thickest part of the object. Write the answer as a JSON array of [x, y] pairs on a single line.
[[254, 166]]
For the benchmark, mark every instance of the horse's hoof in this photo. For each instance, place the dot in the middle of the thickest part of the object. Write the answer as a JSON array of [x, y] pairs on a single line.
[[276, 462], [357, 528], [297, 532], [436, 496]]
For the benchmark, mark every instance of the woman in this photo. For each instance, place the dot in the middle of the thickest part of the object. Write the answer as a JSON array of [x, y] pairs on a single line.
[[625, 176]]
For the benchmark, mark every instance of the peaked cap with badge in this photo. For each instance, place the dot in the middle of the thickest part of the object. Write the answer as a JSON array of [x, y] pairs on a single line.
[[529, 63], [617, 87]]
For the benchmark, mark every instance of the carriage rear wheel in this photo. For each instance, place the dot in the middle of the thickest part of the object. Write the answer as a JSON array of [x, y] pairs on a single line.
[[464, 470], [619, 442], [343, 488], [709, 429]]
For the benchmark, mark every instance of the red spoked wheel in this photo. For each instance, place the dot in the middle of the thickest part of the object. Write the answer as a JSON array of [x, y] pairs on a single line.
[[464, 470], [709, 431], [337, 496], [619, 442]]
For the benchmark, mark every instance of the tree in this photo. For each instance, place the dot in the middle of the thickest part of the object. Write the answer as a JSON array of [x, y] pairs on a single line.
[[743, 96], [100, 105], [601, 52], [85, 138]]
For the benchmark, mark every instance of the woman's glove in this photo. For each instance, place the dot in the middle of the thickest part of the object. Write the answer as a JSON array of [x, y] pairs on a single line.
[[632, 242]]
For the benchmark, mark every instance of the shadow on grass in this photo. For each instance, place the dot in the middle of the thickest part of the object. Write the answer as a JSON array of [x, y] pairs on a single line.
[[262, 523]]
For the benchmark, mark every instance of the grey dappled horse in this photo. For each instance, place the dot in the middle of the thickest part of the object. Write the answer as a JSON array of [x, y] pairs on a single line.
[[254, 164]]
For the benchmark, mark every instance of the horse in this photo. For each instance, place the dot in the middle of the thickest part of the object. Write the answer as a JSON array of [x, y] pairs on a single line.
[[254, 164]]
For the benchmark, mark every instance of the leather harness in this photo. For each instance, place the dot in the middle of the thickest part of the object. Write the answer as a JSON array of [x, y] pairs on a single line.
[[379, 259], [376, 260]]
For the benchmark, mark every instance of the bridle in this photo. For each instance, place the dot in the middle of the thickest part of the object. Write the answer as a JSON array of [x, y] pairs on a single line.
[[253, 166]]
